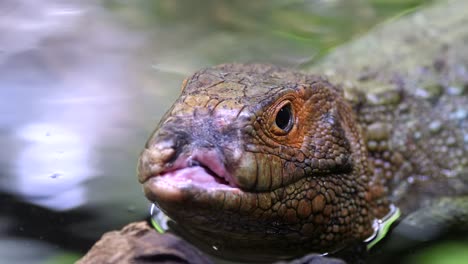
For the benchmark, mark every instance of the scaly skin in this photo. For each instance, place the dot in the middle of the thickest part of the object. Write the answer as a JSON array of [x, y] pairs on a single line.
[[381, 131], [309, 189], [408, 84]]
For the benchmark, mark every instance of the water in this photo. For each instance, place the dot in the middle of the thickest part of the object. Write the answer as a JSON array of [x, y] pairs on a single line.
[[83, 83]]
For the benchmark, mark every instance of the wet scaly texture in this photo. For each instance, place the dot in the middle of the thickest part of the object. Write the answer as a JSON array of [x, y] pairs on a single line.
[[309, 188], [408, 83]]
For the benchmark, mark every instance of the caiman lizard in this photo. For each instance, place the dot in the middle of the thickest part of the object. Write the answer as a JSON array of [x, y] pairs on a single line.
[[270, 162]]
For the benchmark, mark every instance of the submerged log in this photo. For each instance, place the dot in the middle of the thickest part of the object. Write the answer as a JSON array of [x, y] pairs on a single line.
[[140, 243]]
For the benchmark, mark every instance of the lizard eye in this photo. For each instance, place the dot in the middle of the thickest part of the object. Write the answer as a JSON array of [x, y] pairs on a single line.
[[284, 119]]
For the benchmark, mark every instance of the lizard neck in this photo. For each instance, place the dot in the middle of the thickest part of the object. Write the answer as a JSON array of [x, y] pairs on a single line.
[[416, 145]]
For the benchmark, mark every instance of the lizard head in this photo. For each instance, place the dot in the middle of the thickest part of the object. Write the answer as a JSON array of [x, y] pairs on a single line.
[[261, 159]]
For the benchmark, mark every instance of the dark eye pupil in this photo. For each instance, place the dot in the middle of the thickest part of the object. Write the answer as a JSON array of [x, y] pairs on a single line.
[[284, 118]]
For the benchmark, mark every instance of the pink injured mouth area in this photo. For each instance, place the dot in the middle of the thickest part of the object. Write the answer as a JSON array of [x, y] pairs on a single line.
[[195, 176]]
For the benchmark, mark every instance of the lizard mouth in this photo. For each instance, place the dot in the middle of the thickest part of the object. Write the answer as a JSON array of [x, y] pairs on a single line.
[[197, 174], [202, 171]]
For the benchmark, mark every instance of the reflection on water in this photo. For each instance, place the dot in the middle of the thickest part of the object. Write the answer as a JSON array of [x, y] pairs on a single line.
[[59, 86], [66, 96], [25, 23], [50, 171], [82, 85]]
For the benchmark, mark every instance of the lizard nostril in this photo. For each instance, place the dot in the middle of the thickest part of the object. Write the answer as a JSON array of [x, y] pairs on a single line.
[[193, 163]]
